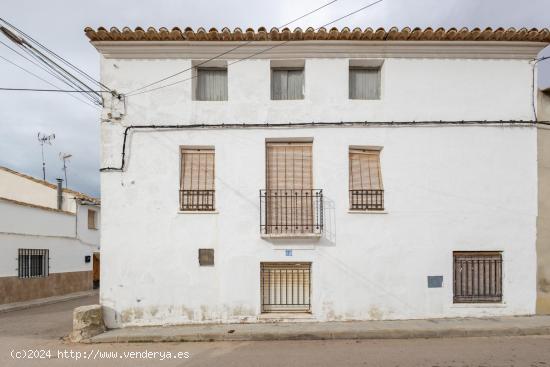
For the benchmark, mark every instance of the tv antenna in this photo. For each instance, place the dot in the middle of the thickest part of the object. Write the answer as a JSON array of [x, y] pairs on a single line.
[[44, 139], [65, 158]]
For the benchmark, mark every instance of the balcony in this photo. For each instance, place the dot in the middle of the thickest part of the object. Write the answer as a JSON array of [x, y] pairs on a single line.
[[291, 213], [366, 199]]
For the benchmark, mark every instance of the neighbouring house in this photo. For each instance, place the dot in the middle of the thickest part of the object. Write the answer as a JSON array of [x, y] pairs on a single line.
[[317, 174], [49, 238], [543, 222]]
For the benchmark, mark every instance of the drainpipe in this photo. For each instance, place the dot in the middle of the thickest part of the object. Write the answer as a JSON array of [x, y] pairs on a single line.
[[59, 193]]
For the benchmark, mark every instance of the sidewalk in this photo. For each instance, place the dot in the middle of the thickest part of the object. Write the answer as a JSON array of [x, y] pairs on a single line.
[[405, 329], [45, 301]]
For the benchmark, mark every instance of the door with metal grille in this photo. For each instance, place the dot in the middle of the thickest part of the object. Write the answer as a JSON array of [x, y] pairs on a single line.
[[286, 287]]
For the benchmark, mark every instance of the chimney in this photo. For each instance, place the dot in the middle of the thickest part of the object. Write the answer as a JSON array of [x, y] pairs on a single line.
[[59, 193]]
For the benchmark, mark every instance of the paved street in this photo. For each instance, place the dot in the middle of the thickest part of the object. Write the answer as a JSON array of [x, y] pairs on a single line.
[[42, 329]]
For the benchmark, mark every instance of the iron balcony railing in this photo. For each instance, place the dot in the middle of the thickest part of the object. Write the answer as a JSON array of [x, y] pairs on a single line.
[[291, 212], [366, 199], [197, 200]]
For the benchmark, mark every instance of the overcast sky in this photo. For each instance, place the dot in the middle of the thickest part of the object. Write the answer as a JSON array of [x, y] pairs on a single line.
[[59, 25]]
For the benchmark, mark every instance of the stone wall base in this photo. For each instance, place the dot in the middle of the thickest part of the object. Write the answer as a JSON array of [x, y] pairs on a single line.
[[15, 289]]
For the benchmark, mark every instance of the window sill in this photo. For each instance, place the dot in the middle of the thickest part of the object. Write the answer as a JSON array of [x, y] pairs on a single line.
[[367, 211], [479, 305], [291, 236], [198, 212]]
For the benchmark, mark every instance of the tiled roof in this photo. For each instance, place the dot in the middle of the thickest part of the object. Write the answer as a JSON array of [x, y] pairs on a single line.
[[368, 34]]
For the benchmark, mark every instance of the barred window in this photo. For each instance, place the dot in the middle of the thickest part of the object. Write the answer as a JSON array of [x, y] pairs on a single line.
[[477, 277], [287, 83], [365, 180], [212, 84], [33, 263], [364, 83], [197, 191]]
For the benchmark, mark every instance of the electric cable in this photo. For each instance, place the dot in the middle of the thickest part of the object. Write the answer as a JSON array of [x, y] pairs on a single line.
[[260, 52]]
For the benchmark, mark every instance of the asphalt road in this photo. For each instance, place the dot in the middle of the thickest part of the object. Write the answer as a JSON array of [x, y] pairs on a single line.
[[39, 333]]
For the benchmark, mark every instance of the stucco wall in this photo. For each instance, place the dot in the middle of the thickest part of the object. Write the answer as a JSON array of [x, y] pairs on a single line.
[[32, 228], [412, 90], [22, 189], [85, 234], [447, 188], [543, 223]]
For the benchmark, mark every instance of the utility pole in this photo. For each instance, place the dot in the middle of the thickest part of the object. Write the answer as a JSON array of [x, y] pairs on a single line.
[[44, 139], [65, 158]]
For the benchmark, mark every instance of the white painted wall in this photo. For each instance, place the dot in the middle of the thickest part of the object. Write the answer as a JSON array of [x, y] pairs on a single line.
[[412, 90], [20, 188], [65, 233], [32, 228], [85, 234], [447, 188]]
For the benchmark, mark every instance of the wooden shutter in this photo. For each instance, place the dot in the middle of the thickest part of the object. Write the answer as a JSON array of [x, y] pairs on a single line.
[[364, 170], [91, 219], [197, 179], [289, 193], [289, 166]]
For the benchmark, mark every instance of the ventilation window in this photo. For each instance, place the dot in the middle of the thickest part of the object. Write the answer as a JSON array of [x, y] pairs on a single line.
[[477, 277]]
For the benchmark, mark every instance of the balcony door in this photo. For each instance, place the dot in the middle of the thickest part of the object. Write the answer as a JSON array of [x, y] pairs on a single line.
[[289, 185]]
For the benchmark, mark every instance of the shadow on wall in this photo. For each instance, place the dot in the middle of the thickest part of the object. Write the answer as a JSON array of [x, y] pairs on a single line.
[[329, 223]]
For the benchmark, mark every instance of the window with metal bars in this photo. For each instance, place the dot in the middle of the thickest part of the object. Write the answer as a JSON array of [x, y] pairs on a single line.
[[197, 192], [285, 287], [33, 263], [477, 277], [366, 191]]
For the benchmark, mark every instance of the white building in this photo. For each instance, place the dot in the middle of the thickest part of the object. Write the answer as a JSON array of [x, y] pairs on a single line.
[[343, 175], [49, 238]]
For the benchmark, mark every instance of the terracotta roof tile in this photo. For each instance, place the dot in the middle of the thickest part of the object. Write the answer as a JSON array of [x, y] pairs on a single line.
[[262, 34]]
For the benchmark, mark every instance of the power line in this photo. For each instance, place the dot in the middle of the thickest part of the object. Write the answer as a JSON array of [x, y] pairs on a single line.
[[40, 78], [66, 62], [260, 52], [46, 90], [64, 81], [40, 53], [314, 124], [230, 50]]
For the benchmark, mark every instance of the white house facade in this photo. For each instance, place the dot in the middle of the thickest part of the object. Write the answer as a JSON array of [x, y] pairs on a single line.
[[49, 237], [342, 175]]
